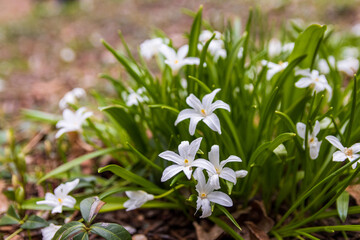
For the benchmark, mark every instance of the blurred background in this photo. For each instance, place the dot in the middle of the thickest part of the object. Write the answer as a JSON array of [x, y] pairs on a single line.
[[48, 47]]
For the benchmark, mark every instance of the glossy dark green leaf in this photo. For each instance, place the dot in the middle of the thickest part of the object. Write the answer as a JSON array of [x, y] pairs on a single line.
[[110, 231], [34, 222], [90, 207], [11, 217], [69, 229], [82, 236]]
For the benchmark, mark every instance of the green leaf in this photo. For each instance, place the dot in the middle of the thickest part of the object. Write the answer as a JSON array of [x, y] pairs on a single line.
[[308, 43], [82, 236], [269, 146], [226, 212], [201, 84], [90, 207], [127, 122], [11, 217], [40, 116], [225, 227], [69, 229], [77, 161], [342, 205], [145, 159], [110, 231], [34, 222], [132, 177], [195, 33]]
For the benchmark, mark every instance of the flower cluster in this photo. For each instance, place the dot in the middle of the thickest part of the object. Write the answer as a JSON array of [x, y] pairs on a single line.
[[185, 160]]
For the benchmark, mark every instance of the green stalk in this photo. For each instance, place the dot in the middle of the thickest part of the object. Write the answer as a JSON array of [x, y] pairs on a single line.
[[169, 192]]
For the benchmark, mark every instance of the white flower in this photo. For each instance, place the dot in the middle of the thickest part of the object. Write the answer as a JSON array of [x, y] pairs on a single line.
[[60, 197], [71, 97], [349, 153], [176, 60], [151, 47], [274, 47], [241, 173], [313, 79], [72, 122], [350, 52], [206, 35], [202, 111], [134, 98], [216, 169], [273, 68], [288, 47], [49, 232], [356, 29], [184, 160], [313, 142], [349, 66], [67, 55], [137, 199], [241, 52], [323, 65], [207, 195]]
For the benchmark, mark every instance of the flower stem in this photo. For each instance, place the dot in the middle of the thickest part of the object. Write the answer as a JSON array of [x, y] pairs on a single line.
[[169, 192]]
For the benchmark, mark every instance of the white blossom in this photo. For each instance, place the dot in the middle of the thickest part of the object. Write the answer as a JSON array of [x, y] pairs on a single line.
[[349, 153], [313, 142], [176, 60], [323, 65], [183, 161], [207, 195], [313, 79], [151, 47], [60, 197], [217, 169], [137, 199], [49, 232], [202, 111], [71, 97], [72, 122], [274, 47], [349, 66], [134, 98], [241, 173], [273, 68]]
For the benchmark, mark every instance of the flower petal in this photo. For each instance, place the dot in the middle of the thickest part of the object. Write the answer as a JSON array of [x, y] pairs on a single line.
[[57, 209], [194, 102], [191, 61], [172, 156], [193, 148], [334, 141], [69, 201], [200, 178], [231, 158], [213, 122], [301, 129], [355, 148], [208, 98], [206, 208], [214, 182], [314, 150], [204, 164], [220, 198], [171, 171], [188, 172], [193, 123], [183, 149], [167, 51], [185, 114], [228, 174], [61, 132], [214, 156], [339, 156], [303, 82], [219, 104], [183, 51]]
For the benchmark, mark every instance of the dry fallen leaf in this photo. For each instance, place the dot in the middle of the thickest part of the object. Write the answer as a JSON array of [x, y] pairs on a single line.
[[213, 234], [354, 191]]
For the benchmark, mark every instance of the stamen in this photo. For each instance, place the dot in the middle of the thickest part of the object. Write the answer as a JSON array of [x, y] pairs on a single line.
[[203, 112], [203, 195], [348, 152], [60, 200], [186, 161], [176, 61]]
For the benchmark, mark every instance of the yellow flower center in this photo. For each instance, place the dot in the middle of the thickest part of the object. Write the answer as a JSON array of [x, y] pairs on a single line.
[[203, 195], [60, 200], [186, 161], [217, 170], [176, 61], [281, 63], [311, 140], [348, 152], [203, 112], [317, 79]]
